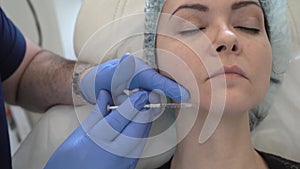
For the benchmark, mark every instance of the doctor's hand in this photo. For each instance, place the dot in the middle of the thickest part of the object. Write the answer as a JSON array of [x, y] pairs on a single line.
[[130, 73], [108, 140]]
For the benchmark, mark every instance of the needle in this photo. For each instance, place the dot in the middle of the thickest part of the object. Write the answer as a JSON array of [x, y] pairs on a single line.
[[160, 105]]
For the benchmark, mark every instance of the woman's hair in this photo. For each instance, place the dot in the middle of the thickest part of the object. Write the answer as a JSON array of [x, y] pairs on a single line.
[[278, 32]]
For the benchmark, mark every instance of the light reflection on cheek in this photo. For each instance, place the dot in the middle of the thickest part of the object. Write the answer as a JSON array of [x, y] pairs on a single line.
[[182, 64], [176, 68]]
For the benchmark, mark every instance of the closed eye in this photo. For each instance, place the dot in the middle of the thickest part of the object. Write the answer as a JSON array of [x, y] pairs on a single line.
[[191, 31], [248, 29]]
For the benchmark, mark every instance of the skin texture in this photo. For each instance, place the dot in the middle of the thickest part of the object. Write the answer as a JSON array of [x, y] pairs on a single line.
[[233, 36], [42, 80]]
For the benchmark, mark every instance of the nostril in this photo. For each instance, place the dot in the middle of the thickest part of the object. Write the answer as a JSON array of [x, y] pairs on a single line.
[[223, 48], [220, 48], [234, 48]]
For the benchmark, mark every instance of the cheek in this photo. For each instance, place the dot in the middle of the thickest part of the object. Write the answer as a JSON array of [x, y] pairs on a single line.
[[178, 58], [179, 63], [175, 57], [261, 69], [264, 61]]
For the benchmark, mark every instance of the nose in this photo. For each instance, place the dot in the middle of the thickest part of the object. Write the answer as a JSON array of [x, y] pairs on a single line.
[[225, 42]]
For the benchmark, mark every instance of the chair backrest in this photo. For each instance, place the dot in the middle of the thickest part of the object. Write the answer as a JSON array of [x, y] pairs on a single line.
[[95, 24], [294, 19]]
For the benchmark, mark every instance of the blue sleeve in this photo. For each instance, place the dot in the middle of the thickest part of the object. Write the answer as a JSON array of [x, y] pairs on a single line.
[[12, 47]]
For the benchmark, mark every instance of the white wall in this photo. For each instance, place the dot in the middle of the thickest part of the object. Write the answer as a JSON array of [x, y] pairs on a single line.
[[56, 17]]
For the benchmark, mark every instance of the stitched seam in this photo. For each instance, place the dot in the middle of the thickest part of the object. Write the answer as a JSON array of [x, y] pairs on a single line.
[[124, 7], [116, 9]]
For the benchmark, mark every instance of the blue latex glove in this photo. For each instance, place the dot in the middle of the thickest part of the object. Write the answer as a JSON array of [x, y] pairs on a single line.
[[130, 73], [103, 134]]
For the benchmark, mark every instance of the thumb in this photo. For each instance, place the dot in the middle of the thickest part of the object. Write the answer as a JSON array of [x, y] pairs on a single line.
[[123, 75]]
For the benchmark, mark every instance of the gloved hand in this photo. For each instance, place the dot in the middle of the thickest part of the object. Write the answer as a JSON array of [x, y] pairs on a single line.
[[130, 73], [108, 140]]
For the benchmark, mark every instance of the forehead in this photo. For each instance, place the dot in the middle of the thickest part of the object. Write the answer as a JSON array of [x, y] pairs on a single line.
[[172, 5]]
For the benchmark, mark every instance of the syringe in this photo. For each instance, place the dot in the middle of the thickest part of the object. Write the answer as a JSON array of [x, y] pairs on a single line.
[[160, 105]]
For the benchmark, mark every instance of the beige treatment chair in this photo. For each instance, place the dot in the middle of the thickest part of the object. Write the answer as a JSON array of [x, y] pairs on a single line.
[[278, 133]]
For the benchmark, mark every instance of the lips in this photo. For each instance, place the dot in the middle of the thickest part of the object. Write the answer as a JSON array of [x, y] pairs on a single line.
[[229, 71]]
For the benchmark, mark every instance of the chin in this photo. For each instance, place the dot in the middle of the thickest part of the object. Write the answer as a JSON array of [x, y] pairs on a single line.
[[236, 108], [239, 104]]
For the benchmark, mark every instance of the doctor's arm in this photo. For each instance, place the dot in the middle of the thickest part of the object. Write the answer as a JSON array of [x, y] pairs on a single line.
[[42, 80]]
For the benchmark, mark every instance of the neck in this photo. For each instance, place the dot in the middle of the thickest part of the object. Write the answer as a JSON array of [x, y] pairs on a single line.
[[229, 147]]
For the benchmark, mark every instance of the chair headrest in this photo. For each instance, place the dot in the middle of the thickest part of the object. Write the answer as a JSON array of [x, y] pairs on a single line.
[[94, 24], [294, 20]]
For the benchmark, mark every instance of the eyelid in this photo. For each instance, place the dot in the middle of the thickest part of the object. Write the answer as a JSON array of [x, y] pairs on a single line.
[[252, 30], [248, 25], [192, 31], [250, 20], [191, 26], [252, 23]]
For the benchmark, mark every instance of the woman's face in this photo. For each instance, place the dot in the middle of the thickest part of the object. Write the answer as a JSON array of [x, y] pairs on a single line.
[[233, 39]]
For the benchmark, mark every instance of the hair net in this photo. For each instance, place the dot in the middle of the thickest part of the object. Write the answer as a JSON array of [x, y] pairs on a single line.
[[275, 12]]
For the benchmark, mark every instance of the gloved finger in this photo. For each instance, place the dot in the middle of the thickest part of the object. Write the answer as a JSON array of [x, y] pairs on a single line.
[[148, 115], [156, 98], [148, 79], [104, 99], [114, 123], [123, 74], [98, 78], [132, 146], [114, 73], [134, 135], [120, 99], [100, 110]]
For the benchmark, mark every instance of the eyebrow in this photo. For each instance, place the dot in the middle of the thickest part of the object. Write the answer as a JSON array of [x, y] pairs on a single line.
[[204, 8], [198, 7], [242, 4]]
